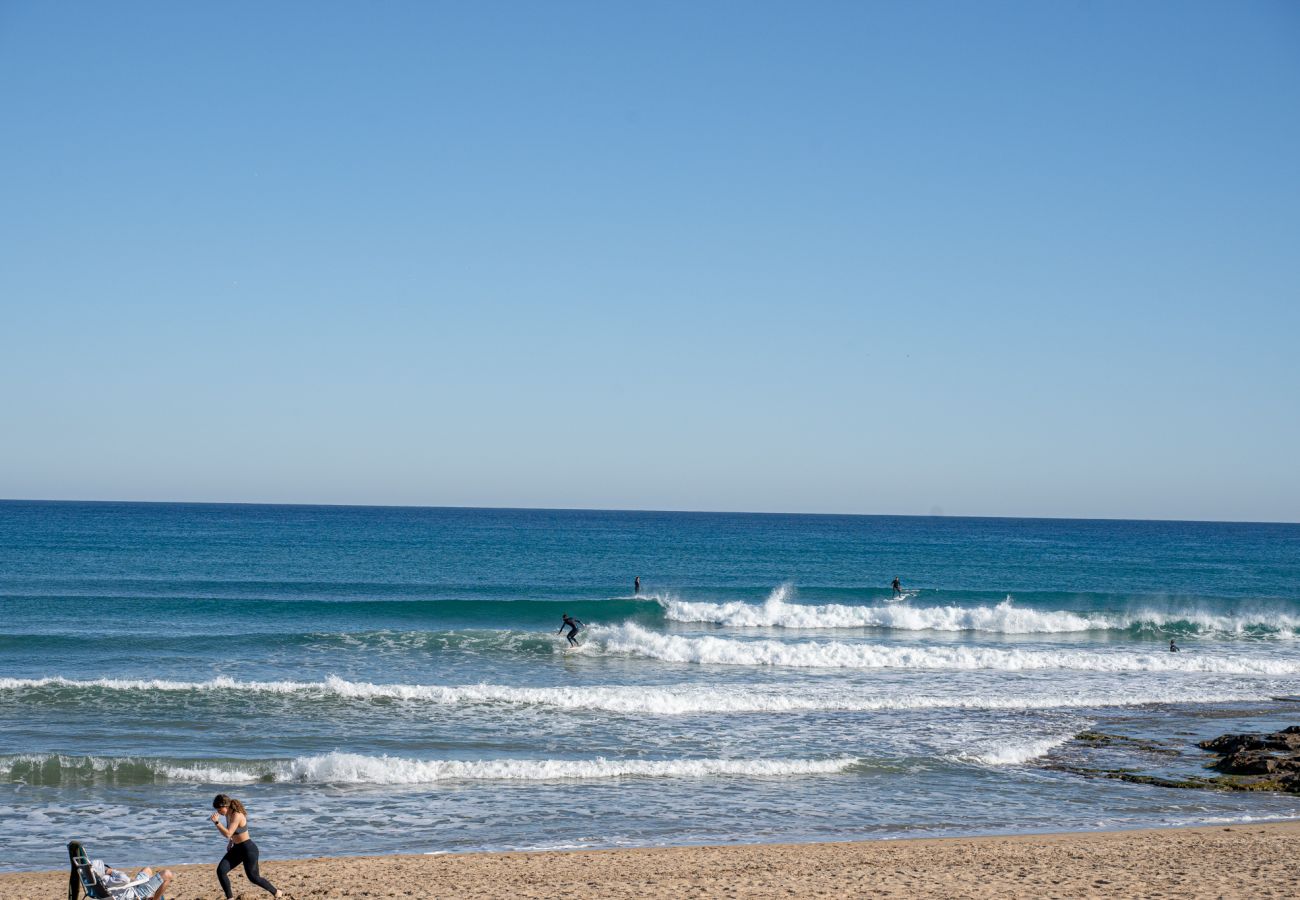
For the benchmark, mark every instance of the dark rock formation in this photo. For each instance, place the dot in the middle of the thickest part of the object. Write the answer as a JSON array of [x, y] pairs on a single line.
[[1249, 762], [1287, 740], [1103, 739], [1276, 755]]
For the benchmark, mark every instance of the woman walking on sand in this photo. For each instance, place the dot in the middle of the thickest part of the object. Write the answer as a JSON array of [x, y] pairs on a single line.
[[240, 850]]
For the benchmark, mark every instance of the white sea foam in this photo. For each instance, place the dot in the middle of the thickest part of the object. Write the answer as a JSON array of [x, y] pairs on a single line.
[[214, 773], [1004, 618], [634, 640], [1015, 753], [776, 612], [353, 768], [660, 700], [1258, 622]]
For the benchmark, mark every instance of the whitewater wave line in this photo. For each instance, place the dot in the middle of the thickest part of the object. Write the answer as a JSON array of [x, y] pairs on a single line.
[[666, 700], [1003, 618], [633, 640], [353, 768], [1015, 754]]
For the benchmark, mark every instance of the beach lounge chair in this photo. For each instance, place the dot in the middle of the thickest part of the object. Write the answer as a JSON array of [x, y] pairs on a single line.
[[88, 877]]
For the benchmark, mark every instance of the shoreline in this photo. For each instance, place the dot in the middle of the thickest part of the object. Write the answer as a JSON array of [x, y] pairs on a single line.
[[1232, 860]]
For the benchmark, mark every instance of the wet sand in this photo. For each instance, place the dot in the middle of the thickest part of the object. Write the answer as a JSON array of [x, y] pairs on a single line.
[[1217, 861]]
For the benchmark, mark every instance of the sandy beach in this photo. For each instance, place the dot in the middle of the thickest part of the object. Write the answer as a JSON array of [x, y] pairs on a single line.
[[1218, 861]]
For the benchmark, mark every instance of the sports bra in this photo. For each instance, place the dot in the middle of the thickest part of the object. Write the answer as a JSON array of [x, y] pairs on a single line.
[[242, 829]]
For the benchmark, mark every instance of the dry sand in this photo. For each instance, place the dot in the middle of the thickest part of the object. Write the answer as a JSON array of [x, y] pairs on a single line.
[[1236, 861]]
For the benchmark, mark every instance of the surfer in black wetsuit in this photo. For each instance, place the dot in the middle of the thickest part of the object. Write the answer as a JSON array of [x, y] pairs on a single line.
[[573, 625], [1174, 648], [898, 588], [636, 585]]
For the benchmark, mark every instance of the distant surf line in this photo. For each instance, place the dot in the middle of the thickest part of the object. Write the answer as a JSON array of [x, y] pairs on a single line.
[[667, 700], [353, 768]]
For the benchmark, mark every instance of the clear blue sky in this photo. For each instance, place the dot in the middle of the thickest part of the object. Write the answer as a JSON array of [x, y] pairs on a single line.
[[989, 258]]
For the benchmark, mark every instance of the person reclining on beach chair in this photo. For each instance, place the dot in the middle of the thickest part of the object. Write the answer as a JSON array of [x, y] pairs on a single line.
[[102, 882]]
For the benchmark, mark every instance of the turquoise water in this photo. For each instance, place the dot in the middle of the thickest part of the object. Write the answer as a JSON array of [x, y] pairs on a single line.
[[376, 680]]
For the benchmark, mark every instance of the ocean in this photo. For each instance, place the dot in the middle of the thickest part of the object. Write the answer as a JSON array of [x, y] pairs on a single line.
[[376, 680]]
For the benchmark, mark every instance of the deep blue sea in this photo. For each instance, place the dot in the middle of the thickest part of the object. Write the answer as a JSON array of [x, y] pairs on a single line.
[[385, 680]]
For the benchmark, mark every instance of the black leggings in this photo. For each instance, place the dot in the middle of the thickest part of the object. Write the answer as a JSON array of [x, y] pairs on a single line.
[[244, 854]]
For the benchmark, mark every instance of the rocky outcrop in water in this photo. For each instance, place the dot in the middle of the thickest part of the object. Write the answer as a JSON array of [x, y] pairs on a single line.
[[1274, 757], [1247, 762]]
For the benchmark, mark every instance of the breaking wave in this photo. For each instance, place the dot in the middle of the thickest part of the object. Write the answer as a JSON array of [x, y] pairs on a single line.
[[665, 700], [353, 768], [1003, 618], [634, 640], [1015, 754]]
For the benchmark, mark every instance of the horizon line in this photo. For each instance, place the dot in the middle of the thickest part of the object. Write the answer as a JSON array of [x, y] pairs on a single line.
[[701, 512]]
